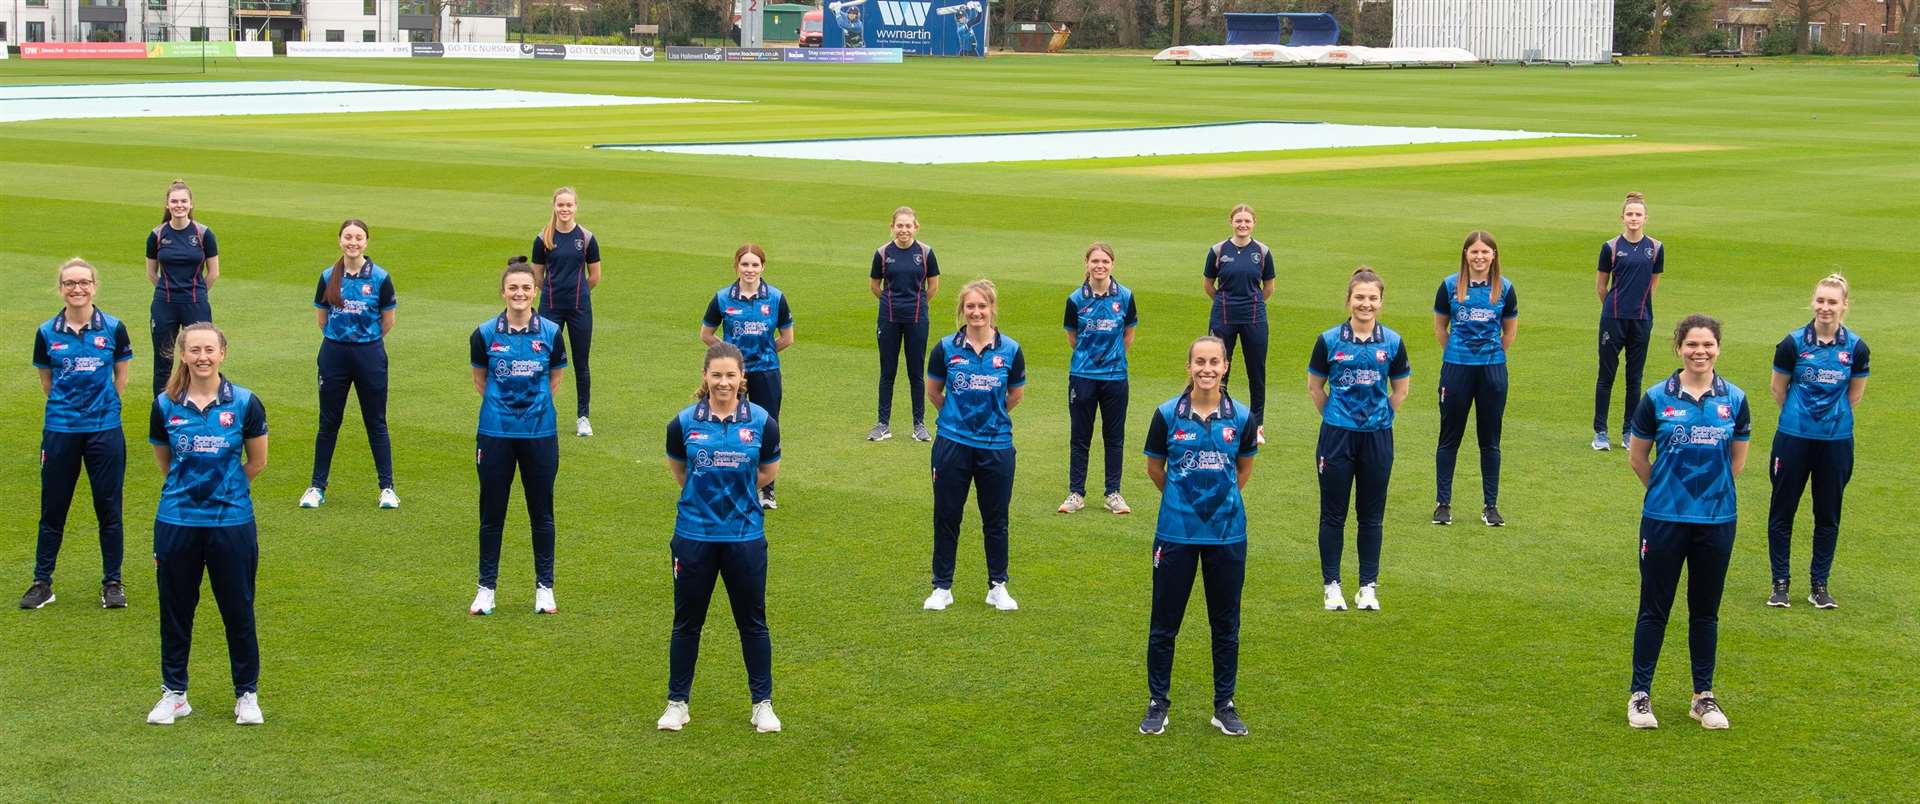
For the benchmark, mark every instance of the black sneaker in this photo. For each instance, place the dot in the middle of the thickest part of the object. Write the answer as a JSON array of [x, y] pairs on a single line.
[[1491, 516], [1228, 721], [1780, 599], [39, 594], [1156, 720], [767, 502], [1443, 514], [1820, 599], [113, 595]]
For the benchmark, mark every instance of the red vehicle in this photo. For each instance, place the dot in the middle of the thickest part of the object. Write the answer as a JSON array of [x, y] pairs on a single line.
[[811, 28]]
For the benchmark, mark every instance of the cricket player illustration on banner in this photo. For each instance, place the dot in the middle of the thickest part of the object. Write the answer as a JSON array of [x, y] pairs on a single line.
[[916, 27], [847, 19]]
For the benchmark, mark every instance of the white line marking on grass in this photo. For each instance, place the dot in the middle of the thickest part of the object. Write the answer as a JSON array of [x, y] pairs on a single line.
[[219, 98], [1217, 138]]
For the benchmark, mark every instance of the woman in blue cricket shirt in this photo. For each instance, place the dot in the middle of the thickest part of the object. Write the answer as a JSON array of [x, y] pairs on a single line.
[[1200, 449], [754, 317], [722, 450], [518, 361], [1819, 375], [566, 265], [82, 355], [210, 438], [975, 378], [354, 306], [183, 262], [1629, 272], [1100, 320], [1238, 279], [904, 277], [1475, 318], [1358, 377], [1699, 424]]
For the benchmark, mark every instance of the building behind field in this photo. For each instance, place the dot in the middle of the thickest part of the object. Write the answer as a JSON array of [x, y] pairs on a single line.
[[1851, 27], [255, 20]]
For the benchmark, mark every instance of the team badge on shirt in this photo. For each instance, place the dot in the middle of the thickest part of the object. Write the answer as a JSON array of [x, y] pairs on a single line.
[[539, 346], [1725, 412], [100, 342], [1226, 433], [1846, 358], [1116, 306], [1379, 355], [746, 436], [366, 289], [226, 418], [766, 309], [999, 362]]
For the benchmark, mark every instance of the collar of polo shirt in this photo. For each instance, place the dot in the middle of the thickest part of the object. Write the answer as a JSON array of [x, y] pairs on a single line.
[[1812, 338], [98, 321], [1185, 409], [1719, 387], [1346, 333]]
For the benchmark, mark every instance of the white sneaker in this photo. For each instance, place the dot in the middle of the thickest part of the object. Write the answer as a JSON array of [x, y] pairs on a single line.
[[1640, 712], [388, 499], [1600, 443], [313, 498], [1118, 504], [582, 427], [1706, 709], [1335, 601], [998, 598], [764, 720], [543, 600], [1365, 600], [1074, 502], [482, 602], [939, 600], [172, 705], [246, 709], [676, 716]]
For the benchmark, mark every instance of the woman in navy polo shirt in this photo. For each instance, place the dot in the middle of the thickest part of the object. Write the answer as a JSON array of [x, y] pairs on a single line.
[[82, 355], [1200, 449], [1699, 424], [975, 378], [904, 277], [1239, 278], [1358, 377], [183, 262], [1100, 319], [1629, 272], [566, 265], [518, 361], [210, 438], [354, 306], [1819, 375], [722, 450], [1475, 317], [753, 316]]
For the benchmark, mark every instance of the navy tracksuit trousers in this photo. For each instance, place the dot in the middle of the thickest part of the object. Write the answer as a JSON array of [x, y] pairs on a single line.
[[576, 327], [1108, 399], [1795, 460], [538, 461], [1484, 390], [363, 368], [1664, 547], [743, 567], [956, 467], [1224, 570], [1357, 463], [894, 338], [1252, 337], [104, 455], [764, 389], [230, 556], [1616, 334], [166, 320]]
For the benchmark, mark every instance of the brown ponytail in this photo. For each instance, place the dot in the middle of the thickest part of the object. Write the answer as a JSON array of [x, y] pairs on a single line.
[[335, 279]]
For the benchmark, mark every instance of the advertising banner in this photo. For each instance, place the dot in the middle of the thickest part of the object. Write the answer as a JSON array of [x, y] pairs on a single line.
[[605, 53], [484, 50], [467, 50], [846, 55], [83, 50], [211, 50], [723, 54], [347, 50], [917, 27]]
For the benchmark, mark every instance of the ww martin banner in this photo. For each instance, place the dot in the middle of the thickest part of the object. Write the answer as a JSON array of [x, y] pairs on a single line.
[[916, 27]]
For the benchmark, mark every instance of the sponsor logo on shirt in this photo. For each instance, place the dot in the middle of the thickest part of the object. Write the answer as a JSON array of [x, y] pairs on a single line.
[[1185, 435], [519, 368], [955, 360], [733, 311], [1204, 460], [1340, 356], [498, 347], [696, 436], [57, 346], [966, 381], [175, 420]]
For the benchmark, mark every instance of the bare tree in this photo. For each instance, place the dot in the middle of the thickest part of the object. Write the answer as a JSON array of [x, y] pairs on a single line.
[[1803, 12]]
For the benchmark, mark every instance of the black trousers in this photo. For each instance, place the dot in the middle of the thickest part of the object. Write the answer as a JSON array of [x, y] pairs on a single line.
[[362, 368], [896, 338], [1252, 338], [1483, 389], [1795, 460], [1616, 334], [956, 467], [743, 566], [1665, 547], [1224, 570], [1085, 399], [576, 330], [764, 389], [1356, 463], [538, 462], [230, 557], [104, 454], [167, 319]]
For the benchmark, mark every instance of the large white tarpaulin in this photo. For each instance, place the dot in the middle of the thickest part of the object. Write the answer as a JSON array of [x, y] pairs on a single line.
[[1316, 56]]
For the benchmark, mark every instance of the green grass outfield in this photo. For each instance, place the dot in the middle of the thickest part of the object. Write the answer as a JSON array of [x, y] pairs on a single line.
[[1498, 669]]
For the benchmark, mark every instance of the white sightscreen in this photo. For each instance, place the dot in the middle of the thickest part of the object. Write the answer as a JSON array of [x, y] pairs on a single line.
[[1509, 30]]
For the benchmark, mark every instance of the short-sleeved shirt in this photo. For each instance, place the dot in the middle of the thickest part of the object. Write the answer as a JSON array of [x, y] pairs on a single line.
[[517, 403], [1359, 374], [903, 273], [364, 296], [752, 323], [1239, 274], [721, 501], [1473, 336], [182, 255], [1819, 376], [565, 275], [206, 484], [1100, 322], [975, 411], [1201, 503], [1692, 450], [1632, 267], [83, 398]]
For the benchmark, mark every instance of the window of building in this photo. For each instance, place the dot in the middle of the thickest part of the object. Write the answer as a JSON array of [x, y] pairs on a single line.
[[367, 8], [368, 36], [197, 34], [3, 30], [419, 35], [36, 31], [156, 5], [1815, 29], [37, 4], [336, 35]]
